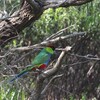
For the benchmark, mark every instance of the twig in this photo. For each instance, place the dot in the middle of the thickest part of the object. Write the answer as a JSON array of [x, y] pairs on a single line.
[[77, 63], [59, 32], [89, 57], [47, 86], [90, 71], [8, 53]]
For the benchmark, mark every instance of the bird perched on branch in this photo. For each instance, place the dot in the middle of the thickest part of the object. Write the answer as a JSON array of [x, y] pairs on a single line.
[[40, 61]]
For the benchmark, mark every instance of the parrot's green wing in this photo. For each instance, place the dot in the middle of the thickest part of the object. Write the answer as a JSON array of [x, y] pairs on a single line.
[[41, 58]]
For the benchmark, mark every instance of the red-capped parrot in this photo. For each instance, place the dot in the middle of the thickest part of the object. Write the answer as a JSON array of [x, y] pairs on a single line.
[[40, 61]]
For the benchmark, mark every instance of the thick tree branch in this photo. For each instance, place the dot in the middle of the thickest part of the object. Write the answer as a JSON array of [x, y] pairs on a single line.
[[45, 4], [57, 3]]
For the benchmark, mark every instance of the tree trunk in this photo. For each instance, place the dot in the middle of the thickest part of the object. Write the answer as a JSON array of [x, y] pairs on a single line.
[[10, 28]]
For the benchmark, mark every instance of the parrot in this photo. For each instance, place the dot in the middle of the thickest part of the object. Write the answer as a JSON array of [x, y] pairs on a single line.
[[40, 62]]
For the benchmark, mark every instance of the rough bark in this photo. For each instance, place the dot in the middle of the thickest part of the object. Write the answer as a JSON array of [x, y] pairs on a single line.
[[10, 28]]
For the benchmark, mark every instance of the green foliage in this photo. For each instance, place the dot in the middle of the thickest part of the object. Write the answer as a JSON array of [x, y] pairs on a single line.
[[72, 98], [9, 6], [84, 96], [11, 93]]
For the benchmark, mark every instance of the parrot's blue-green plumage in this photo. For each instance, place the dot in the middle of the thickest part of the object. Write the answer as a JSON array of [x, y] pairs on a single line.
[[42, 58]]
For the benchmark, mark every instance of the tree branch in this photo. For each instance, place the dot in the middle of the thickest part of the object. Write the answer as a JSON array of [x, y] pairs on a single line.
[[53, 41], [48, 85], [64, 3], [56, 3]]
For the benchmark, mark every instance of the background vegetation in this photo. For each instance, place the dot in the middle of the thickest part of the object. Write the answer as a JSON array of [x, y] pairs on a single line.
[[75, 83]]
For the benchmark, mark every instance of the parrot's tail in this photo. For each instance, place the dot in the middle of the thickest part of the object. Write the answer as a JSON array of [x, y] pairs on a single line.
[[18, 76]]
